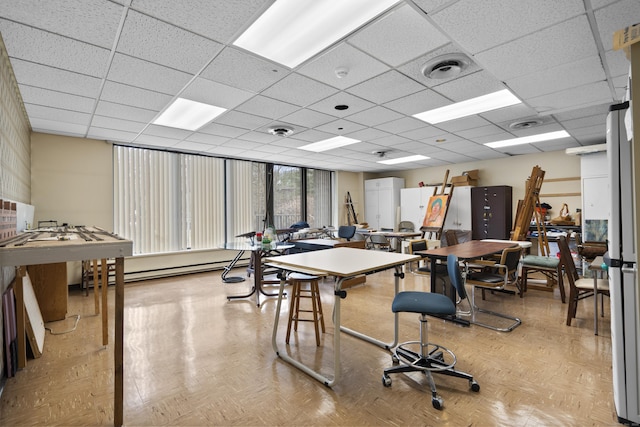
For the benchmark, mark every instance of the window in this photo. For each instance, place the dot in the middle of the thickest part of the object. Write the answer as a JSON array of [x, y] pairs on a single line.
[[287, 196], [167, 202]]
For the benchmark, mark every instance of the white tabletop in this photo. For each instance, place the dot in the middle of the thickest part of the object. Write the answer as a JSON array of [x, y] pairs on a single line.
[[342, 262]]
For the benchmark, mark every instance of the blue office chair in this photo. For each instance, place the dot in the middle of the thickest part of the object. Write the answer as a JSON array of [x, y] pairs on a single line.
[[428, 357], [346, 231]]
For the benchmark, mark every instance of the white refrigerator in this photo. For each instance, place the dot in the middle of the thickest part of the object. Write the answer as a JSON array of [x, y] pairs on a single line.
[[623, 280]]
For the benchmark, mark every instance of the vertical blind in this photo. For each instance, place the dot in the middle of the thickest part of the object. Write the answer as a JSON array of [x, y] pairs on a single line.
[[167, 202]]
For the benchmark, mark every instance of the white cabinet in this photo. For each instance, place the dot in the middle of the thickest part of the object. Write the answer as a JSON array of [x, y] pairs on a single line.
[[381, 201], [459, 213], [413, 206]]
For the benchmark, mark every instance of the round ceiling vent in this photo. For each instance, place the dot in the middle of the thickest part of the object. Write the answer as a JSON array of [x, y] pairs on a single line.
[[525, 124], [281, 131], [446, 66]]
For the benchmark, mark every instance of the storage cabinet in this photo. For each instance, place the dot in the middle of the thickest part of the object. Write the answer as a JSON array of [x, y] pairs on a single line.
[[381, 202], [491, 212]]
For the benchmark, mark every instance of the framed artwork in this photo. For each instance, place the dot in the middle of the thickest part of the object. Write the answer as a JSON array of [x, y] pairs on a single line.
[[436, 210]]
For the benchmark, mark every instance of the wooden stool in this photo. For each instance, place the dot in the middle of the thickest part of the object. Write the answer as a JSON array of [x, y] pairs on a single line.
[[298, 292]]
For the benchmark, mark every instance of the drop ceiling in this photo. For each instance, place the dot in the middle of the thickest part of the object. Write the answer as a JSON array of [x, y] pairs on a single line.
[[105, 69]]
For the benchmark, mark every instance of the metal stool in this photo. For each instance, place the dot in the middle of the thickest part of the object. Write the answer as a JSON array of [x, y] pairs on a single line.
[[298, 292]]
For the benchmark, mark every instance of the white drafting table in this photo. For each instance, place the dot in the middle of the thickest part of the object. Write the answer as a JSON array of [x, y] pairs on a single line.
[[343, 263], [94, 243]]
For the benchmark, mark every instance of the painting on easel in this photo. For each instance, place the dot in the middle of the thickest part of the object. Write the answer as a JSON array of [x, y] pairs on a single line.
[[436, 211]]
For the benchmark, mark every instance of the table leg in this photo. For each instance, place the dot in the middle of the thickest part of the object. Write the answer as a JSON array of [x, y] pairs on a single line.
[[232, 279], [20, 318], [595, 302], [104, 283], [118, 395]]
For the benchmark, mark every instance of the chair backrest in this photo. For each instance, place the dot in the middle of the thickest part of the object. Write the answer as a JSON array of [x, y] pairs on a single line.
[[451, 237], [406, 226], [511, 258], [379, 239], [455, 275], [346, 231], [417, 245], [567, 260]]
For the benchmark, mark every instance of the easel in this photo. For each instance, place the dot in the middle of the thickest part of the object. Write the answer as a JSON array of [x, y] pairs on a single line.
[[351, 212], [527, 210], [435, 233]]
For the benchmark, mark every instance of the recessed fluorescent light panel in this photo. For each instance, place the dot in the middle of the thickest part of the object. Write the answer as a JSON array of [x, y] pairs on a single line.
[[407, 159], [481, 104], [292, 31], [329, 144], [529, 139], [186, 114]]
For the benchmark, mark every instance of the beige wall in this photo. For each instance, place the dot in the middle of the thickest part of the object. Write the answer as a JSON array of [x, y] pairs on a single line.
[[514, 171], [72, 180], [353, 183]]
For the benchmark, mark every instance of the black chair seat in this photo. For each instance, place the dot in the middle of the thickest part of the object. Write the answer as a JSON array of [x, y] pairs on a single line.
[[423, 303]]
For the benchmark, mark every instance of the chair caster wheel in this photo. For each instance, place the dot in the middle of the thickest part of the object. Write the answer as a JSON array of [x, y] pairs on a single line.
[[386, 380], [437, 402], [474, 386]]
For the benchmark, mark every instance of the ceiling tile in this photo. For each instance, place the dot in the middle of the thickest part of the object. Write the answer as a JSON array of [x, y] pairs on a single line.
[[207, 139], [156, 41], [299, 90], [469, 86], [374, 116], [615, 17], [464, 123], [401, 125], [553, 79], [307, 118], [126, 112], [267, 107], [340, 127], [93, 21], [386, 87], [242, 120], [244, 71], [359, 67], [37, 96], [146, 75], [591, 94], [31, 74], [217, 20], [57, 114], [49, 49], [123, 94], [541, 50], [213, 93], [111, 134], [167, 132], [383, 40], [478, 26], [62, 128], [418, 102], [354, 103], [112, 123]]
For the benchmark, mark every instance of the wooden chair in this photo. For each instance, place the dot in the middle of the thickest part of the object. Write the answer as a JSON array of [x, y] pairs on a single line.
[[451, 237], [550, 267], [299, 292], [579, 287]]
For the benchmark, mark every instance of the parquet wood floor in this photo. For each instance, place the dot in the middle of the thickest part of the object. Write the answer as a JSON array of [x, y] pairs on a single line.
[[193, 358]]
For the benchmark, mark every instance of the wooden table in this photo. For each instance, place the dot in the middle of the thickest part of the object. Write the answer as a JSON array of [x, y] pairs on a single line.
[[343, 263], [473, 249], [89, 243]]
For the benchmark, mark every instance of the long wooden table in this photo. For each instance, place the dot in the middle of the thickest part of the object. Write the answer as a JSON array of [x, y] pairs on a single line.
[[88, 243], [344, 263]]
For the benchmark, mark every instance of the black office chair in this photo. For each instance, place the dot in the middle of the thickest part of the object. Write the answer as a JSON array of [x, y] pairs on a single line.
[[346, 231], [428, 357]]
